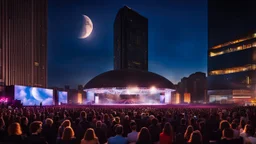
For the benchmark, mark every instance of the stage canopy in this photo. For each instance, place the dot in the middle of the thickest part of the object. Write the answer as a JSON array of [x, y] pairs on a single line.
[[129, 78]]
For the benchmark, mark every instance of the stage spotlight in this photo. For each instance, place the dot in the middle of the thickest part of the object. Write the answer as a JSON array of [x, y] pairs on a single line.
[[153, 90]]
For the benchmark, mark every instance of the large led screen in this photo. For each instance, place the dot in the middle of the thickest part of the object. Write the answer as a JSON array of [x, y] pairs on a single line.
[[33, 96], [63, 97]]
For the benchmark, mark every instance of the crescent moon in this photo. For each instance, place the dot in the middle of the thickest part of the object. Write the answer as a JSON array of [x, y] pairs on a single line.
[[87, 27]]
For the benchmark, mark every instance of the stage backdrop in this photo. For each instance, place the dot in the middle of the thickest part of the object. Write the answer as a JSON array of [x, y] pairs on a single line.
[[30, 96], [63, 97]]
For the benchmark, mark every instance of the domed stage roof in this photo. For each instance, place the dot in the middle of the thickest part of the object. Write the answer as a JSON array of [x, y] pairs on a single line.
[[129, 77]]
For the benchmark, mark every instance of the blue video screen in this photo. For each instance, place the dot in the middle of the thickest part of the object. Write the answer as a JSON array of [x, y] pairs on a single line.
[[30, 96], [63, 97]]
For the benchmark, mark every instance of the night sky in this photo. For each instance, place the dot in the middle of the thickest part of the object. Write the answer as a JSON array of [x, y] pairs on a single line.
[[177, 38]]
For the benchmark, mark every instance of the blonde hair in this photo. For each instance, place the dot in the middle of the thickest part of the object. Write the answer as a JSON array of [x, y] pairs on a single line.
[[68, 133], [188, 132], [14, 129], [90, 135]]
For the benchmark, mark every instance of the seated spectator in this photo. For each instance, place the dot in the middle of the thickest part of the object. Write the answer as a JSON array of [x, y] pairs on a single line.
[[118, 139], [90, 137], [35, 129], [188, 132], [15, 134], [195, 138], [166, 137], [133, 136], [68, 136], [144, 136]]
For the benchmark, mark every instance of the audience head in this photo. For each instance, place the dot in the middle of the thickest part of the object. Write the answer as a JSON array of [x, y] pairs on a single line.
[[68, 133], [167, 129], [195, 137], [224, 124], [119, 129], [228, 133], [133, 125], [188, 132], [24, 121], [35, 127], [90, 135], [65, 123], [154, 121], [14, 129], [49, 122], [98, 124], [233, 125], [83, 115], [144, 135], [249, 130]]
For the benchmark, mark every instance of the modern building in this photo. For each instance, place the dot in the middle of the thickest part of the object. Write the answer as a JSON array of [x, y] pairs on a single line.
[[193, 88], [232, 70], [231, 53], [130, 40], [23, 42]]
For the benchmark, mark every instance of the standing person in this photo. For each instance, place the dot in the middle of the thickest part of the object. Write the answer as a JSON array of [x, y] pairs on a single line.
[[83, 125], [144, 136], [90, 137], [154, 130], [101, 132], [68, 136], [133, 136], [195, 138], [118, 139], [35, 129], [15, 134], [166, 137]]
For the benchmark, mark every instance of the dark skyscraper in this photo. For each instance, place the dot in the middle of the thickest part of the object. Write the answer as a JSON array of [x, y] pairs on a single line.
[[232, 50], [23, 42], [130, 40]]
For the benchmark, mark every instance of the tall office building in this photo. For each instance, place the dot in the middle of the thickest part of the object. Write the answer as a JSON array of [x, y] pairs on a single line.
[[232, 50], [130, 40], [23, 42]]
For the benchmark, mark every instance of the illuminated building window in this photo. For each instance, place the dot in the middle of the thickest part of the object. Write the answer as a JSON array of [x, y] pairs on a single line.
[[235, 41], [239, 48], [233, 70]]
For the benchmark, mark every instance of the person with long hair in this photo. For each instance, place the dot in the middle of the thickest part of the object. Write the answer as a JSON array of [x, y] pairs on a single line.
[[188, 132], [195, 138], [166, 137], [144, 136], [90, 137], [68, 136], [15, 133], [63, 125]]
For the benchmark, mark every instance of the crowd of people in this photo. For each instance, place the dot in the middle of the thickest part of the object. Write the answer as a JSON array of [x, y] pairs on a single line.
[[135, 125]]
